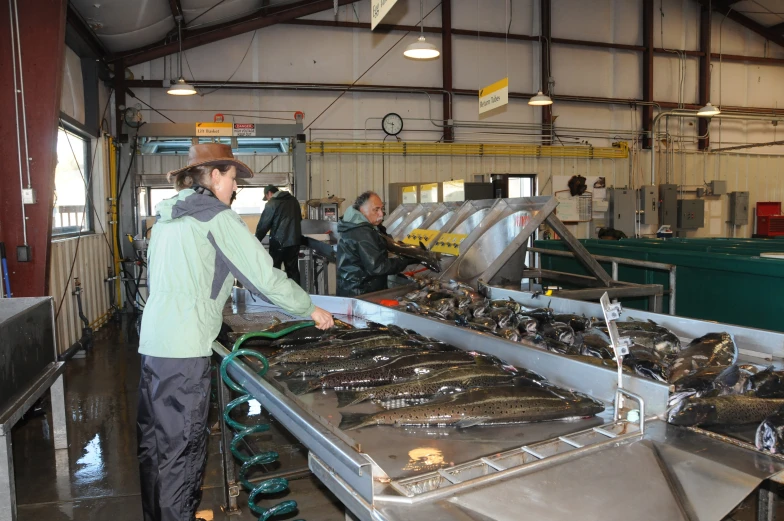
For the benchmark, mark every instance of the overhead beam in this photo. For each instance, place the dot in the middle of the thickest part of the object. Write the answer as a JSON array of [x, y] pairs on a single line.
[[778, 28], [725, 7], [704, 86], [222, 31], [446, 67], [647, 72], [77, 23]]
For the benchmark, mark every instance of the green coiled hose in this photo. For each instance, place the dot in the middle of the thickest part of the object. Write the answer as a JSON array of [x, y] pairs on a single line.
[[270, 486]]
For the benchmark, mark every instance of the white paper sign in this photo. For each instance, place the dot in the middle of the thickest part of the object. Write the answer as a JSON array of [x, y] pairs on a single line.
[[494, 96], [379, 9]]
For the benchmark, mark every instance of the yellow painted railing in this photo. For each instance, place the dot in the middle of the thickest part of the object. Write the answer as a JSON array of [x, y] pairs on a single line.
[[467, 149]]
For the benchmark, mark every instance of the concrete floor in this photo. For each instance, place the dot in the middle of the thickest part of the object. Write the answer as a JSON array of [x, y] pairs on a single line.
[[97, 477]]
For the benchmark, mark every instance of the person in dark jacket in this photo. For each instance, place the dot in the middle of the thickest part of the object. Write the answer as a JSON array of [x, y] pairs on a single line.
[[363, 260], [282, 217]]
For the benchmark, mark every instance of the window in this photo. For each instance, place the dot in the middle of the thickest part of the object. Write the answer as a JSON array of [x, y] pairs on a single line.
[[242, 145], [250, 200], [72, 211]]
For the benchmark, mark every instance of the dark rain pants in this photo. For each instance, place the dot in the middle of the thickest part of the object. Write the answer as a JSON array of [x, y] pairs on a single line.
[[172, 431], [287, 257]]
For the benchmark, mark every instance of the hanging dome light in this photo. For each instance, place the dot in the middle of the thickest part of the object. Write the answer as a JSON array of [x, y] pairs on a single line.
[[421, 50], [708, 110], [181, 88], [540, 99]]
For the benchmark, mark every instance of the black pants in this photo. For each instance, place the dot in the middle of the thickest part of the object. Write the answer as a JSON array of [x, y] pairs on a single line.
[[287, 257], [172, 431]]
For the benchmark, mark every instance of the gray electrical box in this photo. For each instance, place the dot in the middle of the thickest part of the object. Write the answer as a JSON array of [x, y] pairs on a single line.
[[739, 208], [718, 187], [648, 205], [622, 209], [691, 214], [668, 205]]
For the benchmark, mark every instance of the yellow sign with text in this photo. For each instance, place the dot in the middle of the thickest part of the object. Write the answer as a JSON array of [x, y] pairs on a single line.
[[494, 96], [211, 129]]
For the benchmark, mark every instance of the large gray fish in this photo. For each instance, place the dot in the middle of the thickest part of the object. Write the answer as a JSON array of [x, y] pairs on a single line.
[[770, 433], [453, 379], [662, 344], [558, 331], [709, 350], [401, 368], [343, 350], [576, 322], [503, 404], [712, 380], [723, 410], [595, 342], [342, 365], [419, 254]]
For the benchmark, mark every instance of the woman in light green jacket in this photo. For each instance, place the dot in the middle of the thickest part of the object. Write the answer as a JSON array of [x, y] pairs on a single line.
[[198, 246]]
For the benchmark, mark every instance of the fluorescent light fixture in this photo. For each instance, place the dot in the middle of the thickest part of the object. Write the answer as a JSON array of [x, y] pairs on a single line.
[[181, 88], [421, 50], [708, 110], [540, 100]]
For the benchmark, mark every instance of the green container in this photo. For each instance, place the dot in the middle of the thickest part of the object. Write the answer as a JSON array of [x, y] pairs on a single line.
[[726, 287]]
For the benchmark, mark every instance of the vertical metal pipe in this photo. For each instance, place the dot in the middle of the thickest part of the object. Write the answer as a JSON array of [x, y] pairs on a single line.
[[546, 32], [615, 270], [21, 85], [16, 108], [673, 276]]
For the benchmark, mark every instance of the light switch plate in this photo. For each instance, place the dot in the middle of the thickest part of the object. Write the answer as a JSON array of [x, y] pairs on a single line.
[[28, 196]]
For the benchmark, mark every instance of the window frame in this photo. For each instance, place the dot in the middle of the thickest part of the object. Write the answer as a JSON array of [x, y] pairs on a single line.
[[84, 136]]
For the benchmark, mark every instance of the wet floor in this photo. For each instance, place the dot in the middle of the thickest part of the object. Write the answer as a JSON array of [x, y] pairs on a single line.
[[97, 477]]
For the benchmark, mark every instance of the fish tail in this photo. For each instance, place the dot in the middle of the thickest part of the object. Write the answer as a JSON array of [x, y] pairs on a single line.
[[303, 386], [346, 398], [350, 421]]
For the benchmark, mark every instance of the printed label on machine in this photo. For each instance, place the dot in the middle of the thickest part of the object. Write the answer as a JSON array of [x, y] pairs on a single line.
[[449, 243], [426, 237]]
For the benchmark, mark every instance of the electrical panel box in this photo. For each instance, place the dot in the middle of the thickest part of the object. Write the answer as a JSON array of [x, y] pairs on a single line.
[[739, 208], [622, 210], [668, 205], [649, 205], [691, 214], [718, 187]]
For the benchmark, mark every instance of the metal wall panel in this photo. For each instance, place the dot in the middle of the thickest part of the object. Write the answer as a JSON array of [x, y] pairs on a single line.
[[92, 261]]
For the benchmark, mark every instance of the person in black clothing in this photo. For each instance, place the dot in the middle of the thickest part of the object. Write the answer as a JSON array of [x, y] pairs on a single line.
[[363, 262], [282, 218]]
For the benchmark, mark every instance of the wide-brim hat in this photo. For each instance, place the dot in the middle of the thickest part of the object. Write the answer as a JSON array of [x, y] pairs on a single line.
[[213, 154]]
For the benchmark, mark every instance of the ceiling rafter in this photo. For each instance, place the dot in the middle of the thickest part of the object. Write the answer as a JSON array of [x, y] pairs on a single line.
[[176, 8], [725, 7], [196, 38], [75, 20]]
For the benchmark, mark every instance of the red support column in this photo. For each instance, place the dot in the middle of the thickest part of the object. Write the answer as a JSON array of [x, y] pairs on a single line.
[[647, 70], [547, 110], [705, 73], [446, 63], [42, 36]]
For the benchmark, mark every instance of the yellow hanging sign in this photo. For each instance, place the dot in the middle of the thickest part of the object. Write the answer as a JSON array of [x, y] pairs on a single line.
[[494, 96]]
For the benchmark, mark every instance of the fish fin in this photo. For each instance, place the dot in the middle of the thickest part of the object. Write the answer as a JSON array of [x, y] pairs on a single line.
[[735, 349], [349, 421], [422, 245], [303, 386], [485, 360], [729, 376], [464, 424], [346, 398]]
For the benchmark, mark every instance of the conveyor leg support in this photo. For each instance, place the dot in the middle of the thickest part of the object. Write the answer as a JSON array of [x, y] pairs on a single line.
[[230, 484], [7, 487], [767, 502], [58, 414]]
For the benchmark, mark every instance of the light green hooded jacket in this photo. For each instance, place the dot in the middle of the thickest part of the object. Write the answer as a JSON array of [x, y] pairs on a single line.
[[198, 246]]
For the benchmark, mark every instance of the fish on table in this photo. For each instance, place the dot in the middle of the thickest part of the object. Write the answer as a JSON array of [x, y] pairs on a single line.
[[342, 365], [345, 349], [404, 367], [484, 406], [712, 349], [770, 433], [450, 380], [723, 410]]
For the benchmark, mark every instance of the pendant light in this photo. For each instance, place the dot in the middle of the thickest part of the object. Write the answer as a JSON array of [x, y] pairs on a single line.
[[181, 88], [540, 100], [421, 49], [708, 110]]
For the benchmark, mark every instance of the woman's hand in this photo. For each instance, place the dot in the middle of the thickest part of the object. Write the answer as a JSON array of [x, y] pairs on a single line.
[[322, 319]]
